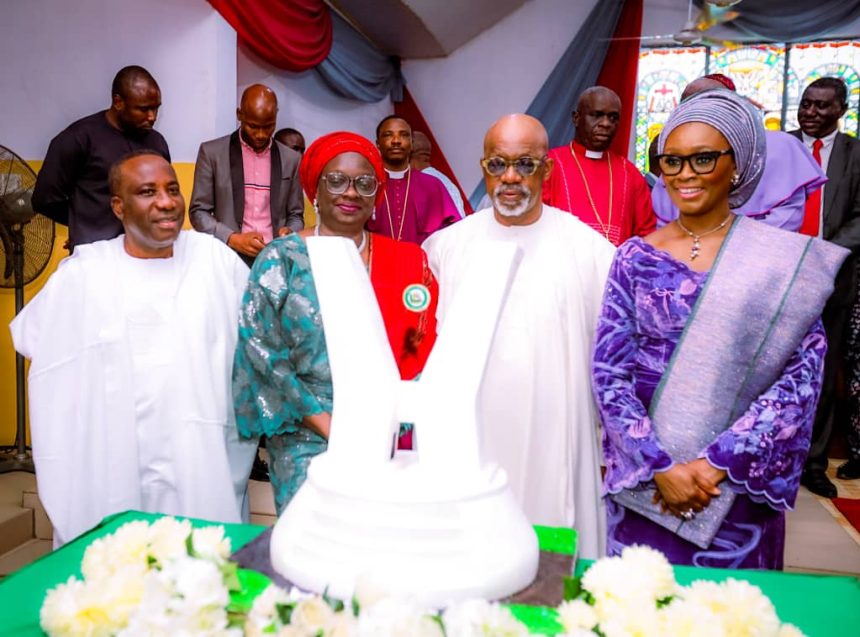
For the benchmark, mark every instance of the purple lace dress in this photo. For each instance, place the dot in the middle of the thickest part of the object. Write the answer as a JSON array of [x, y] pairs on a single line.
[[649, 298]]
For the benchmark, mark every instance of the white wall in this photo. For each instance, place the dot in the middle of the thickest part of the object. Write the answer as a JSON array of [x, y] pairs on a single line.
[[498, 72], [60, 56], [306, 103]]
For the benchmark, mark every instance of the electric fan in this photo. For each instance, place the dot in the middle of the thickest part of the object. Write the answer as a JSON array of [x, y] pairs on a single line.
[[26, 242]]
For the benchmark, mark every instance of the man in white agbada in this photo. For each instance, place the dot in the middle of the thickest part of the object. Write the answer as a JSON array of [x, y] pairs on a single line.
[[131, 344], [535, 409]]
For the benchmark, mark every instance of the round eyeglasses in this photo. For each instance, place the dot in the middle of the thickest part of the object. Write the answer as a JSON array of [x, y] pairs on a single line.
[[525, 166], [702, 163], [337, 183]]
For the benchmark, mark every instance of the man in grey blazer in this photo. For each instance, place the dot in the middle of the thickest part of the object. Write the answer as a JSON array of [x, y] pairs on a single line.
[[246, 184], [823, 102]]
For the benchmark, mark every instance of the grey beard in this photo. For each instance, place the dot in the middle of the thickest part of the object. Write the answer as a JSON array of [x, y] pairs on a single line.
[[515, 211]]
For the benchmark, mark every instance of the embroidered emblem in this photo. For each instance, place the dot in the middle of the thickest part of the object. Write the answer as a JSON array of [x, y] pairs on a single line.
[[416, 297]]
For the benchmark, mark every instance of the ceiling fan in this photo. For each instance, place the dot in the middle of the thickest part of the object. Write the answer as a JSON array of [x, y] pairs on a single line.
[[713, 12]]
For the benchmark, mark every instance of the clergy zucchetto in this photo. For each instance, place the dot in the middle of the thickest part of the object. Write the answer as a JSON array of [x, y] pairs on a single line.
[[131, 345], [536, 416]]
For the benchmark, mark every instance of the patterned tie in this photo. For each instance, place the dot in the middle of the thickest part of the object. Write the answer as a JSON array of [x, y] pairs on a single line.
[[812, 213]]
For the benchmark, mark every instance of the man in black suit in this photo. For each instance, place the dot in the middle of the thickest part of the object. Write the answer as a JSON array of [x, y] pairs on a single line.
[[246, 185], [825, 101]]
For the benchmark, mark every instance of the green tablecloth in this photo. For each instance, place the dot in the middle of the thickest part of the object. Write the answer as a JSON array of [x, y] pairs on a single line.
[[820, 605]]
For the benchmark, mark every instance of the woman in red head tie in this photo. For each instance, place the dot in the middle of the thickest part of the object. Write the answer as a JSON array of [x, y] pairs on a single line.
[[281, 378]]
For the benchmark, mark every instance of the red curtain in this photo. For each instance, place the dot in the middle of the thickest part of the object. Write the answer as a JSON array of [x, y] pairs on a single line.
[[408, 110], [620, 68], [294, 35]]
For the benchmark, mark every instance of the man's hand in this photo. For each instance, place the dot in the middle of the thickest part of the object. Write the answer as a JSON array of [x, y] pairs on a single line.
[[247, 243], [678, 491], [283, 232], [320, 423]]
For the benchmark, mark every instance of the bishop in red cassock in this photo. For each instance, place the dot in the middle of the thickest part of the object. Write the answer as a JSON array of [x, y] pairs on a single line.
[[597, 185]]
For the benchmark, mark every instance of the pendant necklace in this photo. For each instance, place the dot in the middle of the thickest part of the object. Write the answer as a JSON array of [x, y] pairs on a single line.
[[605, 228], [403, 210], [694, 252]]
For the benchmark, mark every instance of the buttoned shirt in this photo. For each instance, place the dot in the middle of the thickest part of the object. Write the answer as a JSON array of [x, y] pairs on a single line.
[[257, 168]]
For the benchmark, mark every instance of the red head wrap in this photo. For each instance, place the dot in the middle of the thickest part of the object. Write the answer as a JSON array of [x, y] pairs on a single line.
[[326, 148], [725, 80]]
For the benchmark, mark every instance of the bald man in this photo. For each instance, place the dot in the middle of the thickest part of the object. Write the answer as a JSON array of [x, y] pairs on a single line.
[[246, 184], [598, 186], [536, 414]]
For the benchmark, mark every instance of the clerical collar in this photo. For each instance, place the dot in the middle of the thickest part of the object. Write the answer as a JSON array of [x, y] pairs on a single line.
[[397, 174], [590, 154]]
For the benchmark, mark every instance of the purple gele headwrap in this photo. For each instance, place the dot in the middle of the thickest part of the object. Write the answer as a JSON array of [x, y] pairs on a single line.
[[739, 122]]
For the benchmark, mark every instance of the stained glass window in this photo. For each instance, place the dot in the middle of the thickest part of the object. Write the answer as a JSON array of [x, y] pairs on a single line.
[[772, 75]]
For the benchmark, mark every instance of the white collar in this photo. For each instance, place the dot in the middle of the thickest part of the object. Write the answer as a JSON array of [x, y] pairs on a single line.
[[827, 140], [397, 174], [593, 154]]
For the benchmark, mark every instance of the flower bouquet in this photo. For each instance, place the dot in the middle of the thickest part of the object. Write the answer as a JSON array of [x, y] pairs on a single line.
[[169, 579]]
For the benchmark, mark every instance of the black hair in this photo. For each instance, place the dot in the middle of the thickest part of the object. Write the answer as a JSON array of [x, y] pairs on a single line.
[[388, 117], [127, 76], [835, 83], [115, 173]]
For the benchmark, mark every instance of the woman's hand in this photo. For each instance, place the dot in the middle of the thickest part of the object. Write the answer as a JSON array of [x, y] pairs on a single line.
[[319, 423], [679, 492]]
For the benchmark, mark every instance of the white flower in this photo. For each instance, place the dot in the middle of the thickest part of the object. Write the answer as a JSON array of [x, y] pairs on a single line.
[[651, 569], [312, 615], [688, 618], [263, 611], [635, 618], [393, 617], [476, 618], [749, 611], [577, 614], [343, 624], [789, 630], [126, 548], [209, 543], [367, 591], [74, 609], [167, 539]]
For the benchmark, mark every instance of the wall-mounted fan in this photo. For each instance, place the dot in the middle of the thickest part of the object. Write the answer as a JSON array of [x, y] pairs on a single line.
[[26, 242]]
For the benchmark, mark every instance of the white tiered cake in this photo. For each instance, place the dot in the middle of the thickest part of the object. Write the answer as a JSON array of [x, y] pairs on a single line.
[[437, 524]]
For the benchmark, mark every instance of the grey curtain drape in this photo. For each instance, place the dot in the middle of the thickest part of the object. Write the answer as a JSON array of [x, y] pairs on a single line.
[[356, 69], [576, 70]]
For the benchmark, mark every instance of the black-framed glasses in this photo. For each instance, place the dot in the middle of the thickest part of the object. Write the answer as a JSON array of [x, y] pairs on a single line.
[[338, 183], [525, 166], [700, 163]]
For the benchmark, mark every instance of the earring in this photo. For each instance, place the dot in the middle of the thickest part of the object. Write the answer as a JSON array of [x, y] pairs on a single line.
[[316, 208], [736, 179]]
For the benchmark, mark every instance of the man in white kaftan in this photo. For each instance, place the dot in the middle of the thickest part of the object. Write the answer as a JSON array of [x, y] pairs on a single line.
[[536, 414], [131, 344]]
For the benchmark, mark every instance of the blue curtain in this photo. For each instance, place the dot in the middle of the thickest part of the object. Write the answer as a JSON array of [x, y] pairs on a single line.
[[358, 70], [791, 20], [577, 69]]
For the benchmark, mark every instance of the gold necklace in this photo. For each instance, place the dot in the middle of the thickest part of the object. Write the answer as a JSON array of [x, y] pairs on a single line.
[[694, 252], [403, 210], [608, 225]]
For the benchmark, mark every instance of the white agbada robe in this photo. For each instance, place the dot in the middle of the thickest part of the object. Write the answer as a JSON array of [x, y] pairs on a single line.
[[537, 418], [129, 384]]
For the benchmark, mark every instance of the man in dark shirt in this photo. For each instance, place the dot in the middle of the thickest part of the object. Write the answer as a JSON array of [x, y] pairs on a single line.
[[72, 186]]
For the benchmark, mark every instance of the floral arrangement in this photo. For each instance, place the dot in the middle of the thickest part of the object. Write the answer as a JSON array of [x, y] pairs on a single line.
[[636, 594], [167, 578]]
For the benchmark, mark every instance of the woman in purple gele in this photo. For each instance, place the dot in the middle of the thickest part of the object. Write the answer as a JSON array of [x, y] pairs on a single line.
[[708, 355]]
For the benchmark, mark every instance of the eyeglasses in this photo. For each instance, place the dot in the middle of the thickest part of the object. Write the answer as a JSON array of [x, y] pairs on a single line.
[[700, 163], [337, 183], [525, 166]]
